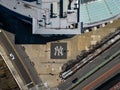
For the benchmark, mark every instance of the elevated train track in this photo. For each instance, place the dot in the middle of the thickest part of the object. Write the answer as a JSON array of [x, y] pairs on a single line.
[[80, 57], [104, 45], [111, 58]]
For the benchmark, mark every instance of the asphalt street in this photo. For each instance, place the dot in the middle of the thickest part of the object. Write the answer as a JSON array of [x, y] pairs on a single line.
[[25, 70], [90, 66], [112, 83], [98, 74], [25, 59]]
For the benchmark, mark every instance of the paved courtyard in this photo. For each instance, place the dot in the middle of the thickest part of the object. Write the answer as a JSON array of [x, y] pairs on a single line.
[[48, 68]]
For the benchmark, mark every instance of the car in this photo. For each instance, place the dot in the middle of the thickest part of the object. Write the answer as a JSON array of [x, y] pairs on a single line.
[[12, 56], [75, 80]]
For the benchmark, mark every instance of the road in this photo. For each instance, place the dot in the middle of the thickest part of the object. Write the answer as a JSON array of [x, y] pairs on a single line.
[[25, 59], [97, 75], [110, 83], [90, 66], [21, 61]]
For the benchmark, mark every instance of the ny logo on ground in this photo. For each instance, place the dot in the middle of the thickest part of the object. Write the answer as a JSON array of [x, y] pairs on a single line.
[[58, 50]]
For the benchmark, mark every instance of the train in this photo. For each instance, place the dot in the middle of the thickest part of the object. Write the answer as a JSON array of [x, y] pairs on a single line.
[[67, 71]]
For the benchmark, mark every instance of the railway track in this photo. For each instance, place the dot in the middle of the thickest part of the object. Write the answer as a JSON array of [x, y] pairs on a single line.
[[113, 57], [104, 45]]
